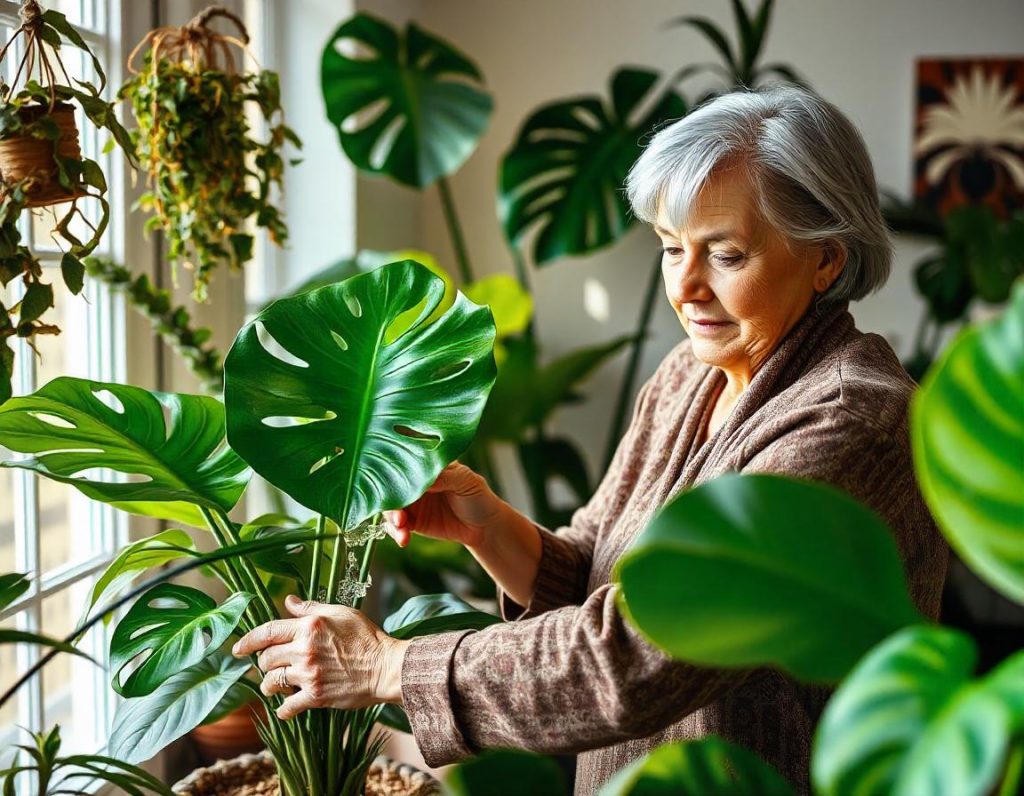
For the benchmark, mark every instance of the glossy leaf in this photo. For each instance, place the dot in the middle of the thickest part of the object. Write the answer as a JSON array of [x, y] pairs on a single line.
[[706, 767], [564, 174], [12, 586], [436, 613], [132, 561], [146, 724], [8, 636], [506, 772], [341, 414], [172, 627], [968, 435], [910, 720], [166, 450], [410, 107], [815, 577]]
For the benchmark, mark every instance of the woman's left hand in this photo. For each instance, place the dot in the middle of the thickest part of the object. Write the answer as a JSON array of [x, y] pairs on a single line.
[[333, 654]]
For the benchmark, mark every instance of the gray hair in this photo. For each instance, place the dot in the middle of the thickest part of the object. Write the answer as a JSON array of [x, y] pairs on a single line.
[[807, 163]]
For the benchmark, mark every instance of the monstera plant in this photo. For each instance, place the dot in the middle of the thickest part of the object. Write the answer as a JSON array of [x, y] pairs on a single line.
[[351, 398]]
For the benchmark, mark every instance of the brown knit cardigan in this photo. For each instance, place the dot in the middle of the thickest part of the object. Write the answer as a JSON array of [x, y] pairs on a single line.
[[570, 675]]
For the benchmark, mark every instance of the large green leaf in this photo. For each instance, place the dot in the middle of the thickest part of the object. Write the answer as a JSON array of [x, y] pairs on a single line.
[[707, 767], [145, 725], [166, 451], [967, 425], [406, 106], [566, 169], [341, 414], [436, 613], [910, 720], [170, 628], [815, 579], [135, 559], [505, 772]]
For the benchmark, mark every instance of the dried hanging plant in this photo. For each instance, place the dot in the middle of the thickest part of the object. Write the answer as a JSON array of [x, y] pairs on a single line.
[[208, 177], [41, 164]]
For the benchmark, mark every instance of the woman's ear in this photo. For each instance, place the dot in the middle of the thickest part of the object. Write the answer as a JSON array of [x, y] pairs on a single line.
[[830, 266]]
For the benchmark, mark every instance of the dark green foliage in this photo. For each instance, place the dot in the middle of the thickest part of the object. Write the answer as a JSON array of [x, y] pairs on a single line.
[[208, 176]]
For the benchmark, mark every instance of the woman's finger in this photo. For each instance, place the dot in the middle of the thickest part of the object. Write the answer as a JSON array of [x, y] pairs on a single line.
[[294, 705], [277, 681], [276, 656], [279, 631]]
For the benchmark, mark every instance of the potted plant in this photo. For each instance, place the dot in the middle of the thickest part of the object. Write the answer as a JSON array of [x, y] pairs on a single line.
[[210, 178], [351, 399], [41, 165]]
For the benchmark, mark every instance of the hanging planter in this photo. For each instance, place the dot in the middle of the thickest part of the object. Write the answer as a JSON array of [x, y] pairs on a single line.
[[41, 165], [210, 180]]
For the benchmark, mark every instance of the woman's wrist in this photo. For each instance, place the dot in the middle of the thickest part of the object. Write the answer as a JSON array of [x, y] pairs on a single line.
[[389, 686]]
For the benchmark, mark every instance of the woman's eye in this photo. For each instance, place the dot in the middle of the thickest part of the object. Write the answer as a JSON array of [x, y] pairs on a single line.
[[673, 251], [727, 260]]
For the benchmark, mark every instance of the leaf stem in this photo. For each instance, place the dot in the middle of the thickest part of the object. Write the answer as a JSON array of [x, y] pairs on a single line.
[[318, 551], [633, 366], [1014, 768], [249, 575], [455, 230]]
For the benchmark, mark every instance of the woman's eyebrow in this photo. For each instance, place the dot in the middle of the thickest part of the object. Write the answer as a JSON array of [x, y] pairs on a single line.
[[711, 237]]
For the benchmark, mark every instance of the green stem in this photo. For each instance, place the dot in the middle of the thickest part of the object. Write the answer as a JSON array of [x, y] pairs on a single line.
[[522, 276], [633, 366], [455, 230], [1014, 768], [339, 553], [234, 579], [318, 551], [249, 575]]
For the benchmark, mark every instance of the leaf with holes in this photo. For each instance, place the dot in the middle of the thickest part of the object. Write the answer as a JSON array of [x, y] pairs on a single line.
[[406, 106], [328, 404], [910, 719], [135, 559], [566, 169], [144, 452], [170, 628], [968, 434]]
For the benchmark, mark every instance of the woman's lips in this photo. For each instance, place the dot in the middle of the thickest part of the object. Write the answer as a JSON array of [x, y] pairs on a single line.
[[707, 326]]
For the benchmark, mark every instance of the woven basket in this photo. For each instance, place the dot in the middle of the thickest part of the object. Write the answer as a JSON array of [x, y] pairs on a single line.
[[23, 156], [255, 775]]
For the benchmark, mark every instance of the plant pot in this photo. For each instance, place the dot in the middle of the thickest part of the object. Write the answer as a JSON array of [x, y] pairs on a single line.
[[23, 157], [230, 736], [254, 775]]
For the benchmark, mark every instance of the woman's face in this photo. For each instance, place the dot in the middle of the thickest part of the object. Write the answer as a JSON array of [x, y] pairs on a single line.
[[733, 281]]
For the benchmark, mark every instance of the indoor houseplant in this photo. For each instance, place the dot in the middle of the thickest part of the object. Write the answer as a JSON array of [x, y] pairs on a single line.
[[210, 178], [363, 377], [41, 164]]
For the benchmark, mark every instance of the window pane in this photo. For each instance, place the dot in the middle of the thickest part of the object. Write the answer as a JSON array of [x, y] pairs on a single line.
[[72, 9], [8, 713], [71, 685], [7, 561]]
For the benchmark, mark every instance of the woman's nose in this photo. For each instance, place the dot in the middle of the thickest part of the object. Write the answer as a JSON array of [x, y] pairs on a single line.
[[686, 282]]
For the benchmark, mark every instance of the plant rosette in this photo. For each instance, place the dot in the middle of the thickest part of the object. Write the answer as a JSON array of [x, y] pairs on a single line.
[[210, 179]]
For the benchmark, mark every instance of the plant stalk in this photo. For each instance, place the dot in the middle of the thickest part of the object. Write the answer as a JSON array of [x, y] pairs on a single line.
[[249, 573], [1014, 768], [318, 551], [455, 230], [633, 365]]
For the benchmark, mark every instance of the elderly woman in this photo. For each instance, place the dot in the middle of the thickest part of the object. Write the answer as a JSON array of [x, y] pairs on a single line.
[[767, 210]]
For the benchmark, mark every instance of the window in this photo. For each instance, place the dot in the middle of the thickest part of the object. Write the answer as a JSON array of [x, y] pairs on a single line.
[[48, 529]]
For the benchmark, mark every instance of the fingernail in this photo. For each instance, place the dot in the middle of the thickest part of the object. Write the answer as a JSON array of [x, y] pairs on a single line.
[[234, 650]]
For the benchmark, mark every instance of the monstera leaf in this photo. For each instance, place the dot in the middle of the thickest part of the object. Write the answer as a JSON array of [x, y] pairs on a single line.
[[968, 435], [435, 613], [910, 720], [145, 725], [159, 466], [408, 107], [329, 405], [812, 588], [707, 767], [170, 628], [566, 168]]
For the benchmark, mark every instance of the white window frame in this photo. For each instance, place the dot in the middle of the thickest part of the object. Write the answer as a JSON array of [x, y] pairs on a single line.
[[104, 348]]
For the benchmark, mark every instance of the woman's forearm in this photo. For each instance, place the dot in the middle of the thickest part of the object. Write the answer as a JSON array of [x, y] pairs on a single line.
[[510, 551]]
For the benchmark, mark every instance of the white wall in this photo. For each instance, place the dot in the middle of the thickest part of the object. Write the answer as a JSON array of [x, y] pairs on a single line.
[[859, 55]]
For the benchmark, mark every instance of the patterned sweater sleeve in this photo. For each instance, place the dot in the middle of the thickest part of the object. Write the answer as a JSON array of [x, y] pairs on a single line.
[[566, 553]]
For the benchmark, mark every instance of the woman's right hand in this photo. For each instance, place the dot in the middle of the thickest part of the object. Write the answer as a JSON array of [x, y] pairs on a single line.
[[458, 507]]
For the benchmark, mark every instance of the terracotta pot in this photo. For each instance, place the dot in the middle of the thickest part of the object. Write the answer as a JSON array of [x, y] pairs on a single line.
[[230, 736], [23, 156], [254, 775]]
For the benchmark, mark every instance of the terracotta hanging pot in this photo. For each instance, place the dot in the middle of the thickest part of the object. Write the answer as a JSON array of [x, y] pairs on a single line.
[[26, 157]]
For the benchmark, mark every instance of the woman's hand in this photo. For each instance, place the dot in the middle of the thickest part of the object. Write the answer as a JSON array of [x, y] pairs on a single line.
[[458, 507], [333, 654]]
